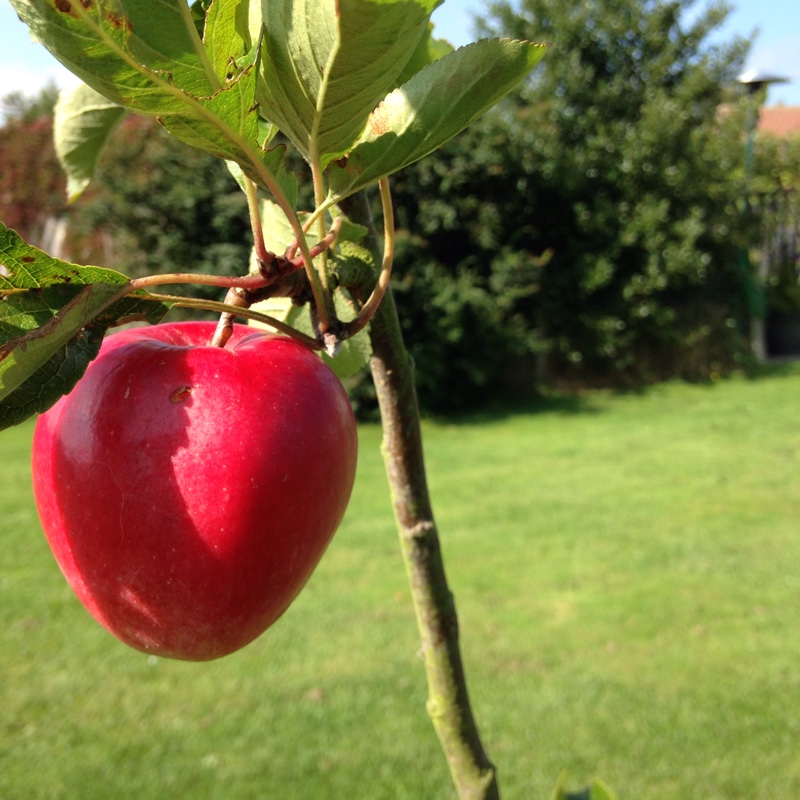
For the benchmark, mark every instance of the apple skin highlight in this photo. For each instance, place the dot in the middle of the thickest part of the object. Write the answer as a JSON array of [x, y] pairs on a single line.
[[188, 491]]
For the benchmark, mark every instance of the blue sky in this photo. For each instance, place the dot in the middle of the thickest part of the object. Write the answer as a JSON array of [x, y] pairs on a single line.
[[776, 49], [25, 65]]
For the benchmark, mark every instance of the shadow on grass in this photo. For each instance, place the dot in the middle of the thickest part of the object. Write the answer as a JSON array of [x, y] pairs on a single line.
[[590, 400], [563, 403], [773, 368]]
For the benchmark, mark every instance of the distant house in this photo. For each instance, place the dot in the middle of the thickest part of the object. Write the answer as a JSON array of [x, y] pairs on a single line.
[[783, 121], [780, 255]]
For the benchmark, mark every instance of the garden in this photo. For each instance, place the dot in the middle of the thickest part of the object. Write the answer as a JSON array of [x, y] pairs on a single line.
[[515, 283], [624, 569]]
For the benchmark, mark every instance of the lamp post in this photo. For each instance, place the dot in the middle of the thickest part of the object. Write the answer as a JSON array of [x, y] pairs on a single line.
[[756, 83]]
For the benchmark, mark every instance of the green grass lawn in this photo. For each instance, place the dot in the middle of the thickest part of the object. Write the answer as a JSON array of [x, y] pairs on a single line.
[[627, 571]]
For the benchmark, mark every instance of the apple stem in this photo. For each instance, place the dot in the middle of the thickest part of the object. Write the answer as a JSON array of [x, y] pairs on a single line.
[[237, 311], [224, 327]]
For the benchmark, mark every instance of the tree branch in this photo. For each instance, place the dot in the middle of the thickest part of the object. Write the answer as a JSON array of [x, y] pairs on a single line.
[[448, 700]]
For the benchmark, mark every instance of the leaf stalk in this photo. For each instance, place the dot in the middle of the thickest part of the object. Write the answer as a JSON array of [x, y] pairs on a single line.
[[367, 311]]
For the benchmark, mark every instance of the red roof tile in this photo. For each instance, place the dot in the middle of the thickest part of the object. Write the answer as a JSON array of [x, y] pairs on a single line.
[[780, 121]]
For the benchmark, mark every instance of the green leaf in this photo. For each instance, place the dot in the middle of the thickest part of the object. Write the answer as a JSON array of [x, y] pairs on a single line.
[[597, 790], [436, 104], [601, 791], [327, 63], [353, 354], [142, 55], [428, 50], [83, 122], [56, 377], [225, 124], [149, 58], [46, 307], [226, 37], [21, 356], [198, 11], [278, 233]]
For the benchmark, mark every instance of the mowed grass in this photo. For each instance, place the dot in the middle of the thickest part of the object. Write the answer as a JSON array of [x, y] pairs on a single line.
[[627, 571]]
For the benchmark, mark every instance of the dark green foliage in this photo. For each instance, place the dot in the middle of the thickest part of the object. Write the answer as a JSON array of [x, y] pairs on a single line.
[[589, 231], [463, 277], [615, 161]]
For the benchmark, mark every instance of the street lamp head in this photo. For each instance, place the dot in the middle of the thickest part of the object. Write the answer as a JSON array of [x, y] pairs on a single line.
[[755, 80]]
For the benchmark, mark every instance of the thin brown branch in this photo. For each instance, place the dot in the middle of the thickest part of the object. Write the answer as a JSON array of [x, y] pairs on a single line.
[[223, 281], [448, 699], [365, 314], [320, 247], [272, 268], [251, 192]]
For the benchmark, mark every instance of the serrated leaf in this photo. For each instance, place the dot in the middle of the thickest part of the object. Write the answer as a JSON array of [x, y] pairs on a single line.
[[56, 377], [327, 63], [21, 356], [149, 58], [142, 55], [427, 51], [431, 108], [45, 303], [225, 124], [82, 124], [226, 37]]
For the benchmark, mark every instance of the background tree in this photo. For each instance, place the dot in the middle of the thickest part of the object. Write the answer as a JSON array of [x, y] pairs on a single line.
[[635, 183], [31, 180], [161, 207], [615, 160], [586, 232]]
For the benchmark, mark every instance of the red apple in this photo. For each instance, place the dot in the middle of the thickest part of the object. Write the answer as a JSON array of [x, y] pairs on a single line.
[[189, 491]]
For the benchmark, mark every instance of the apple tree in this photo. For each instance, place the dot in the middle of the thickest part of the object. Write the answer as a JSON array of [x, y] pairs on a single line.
[[360, 89]]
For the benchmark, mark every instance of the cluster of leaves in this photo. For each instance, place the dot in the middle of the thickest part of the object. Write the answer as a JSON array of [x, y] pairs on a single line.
[[589, 230], [359, 91]]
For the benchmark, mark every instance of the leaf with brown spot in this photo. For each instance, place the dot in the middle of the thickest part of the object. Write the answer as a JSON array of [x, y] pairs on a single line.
[[53, 316]]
